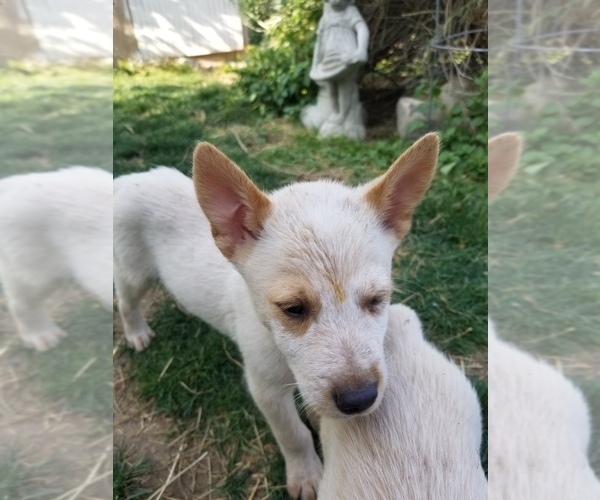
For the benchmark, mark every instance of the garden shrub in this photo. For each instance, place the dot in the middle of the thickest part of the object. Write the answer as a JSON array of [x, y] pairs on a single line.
[[464, 134], [275, 79]]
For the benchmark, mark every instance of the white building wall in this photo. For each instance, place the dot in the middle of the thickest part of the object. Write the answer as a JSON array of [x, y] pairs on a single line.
[[69, 29], [186, 27]]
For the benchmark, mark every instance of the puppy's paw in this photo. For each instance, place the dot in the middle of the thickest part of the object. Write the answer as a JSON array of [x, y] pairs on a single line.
[[303, 479], [44, 340], [140, 339]]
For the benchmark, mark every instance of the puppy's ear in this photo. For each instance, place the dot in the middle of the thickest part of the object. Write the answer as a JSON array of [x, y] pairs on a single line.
[[234, 206], [504, 152], [395, 194]]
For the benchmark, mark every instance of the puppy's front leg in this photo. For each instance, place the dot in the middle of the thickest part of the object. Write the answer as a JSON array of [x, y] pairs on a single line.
[[302, 464]]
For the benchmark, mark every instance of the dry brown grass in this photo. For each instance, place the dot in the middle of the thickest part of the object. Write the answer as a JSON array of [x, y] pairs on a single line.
[[74, 450], [185, 460], [278, 134]]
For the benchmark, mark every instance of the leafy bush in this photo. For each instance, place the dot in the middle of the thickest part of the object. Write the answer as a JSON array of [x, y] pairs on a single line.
[[566, 135], [465, 135], [255, 13], [275, 80]]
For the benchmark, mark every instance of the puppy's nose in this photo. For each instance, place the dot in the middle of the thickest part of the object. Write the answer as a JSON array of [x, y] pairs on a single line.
[[355, 401]]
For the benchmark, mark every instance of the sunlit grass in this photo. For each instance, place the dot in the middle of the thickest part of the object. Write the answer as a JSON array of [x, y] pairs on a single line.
[[54, 117]]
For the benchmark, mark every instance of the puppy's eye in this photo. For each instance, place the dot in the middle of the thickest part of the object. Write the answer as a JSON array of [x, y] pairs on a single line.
[[373, 303], [296, 311]]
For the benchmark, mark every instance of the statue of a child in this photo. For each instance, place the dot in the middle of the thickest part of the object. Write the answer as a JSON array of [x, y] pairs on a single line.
[[340, 51]]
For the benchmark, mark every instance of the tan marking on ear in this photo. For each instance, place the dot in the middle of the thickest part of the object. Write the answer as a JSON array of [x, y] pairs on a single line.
[[395, 194], [504, 152], [293, 290], [226, 194]]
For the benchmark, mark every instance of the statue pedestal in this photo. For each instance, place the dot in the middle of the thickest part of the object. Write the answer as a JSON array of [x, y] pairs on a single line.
[[322, 115]]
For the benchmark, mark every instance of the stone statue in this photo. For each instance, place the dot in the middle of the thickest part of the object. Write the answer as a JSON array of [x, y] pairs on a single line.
[[340, 51]]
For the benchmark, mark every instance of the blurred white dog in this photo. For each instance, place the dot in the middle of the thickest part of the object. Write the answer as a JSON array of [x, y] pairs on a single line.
[[539, 425], [54, 227]]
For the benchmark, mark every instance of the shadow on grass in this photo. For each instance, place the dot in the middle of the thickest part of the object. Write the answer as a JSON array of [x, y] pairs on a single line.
[[544, 260]]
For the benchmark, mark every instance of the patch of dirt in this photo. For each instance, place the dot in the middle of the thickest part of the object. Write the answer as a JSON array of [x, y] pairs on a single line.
[[185, 463], [65, 452], [182, 464], [181, 468]]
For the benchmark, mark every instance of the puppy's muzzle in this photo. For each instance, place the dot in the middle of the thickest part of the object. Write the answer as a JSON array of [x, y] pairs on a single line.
[[353, 401]]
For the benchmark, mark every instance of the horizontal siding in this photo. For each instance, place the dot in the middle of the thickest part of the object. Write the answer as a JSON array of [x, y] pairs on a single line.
[[70, 29], [186, 27]]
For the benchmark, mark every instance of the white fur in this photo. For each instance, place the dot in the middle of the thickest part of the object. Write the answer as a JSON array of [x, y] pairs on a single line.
[[54, 227], [160, 231], [423, 440], [322, 240], [539, 430]]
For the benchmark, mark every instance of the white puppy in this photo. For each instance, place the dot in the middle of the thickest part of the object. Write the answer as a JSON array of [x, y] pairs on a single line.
[[423, 440], [54, 227], [299, 278]]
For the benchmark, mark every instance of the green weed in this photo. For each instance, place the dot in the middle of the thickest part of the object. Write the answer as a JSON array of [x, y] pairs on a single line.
[[22, 480], [126, 477]]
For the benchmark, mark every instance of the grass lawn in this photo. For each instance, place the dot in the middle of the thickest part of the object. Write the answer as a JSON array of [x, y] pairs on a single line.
[[80, 370], [54, 117], [192, 373]]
